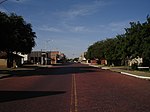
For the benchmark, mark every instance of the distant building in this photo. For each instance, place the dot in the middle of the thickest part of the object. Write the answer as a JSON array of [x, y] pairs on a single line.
[[103, 61], [16, 60], [93, 62], [62, 58], [39, 57], [82, 58], [24, 59], [45, 58], [54, 55], [3, 59], [136, 60]]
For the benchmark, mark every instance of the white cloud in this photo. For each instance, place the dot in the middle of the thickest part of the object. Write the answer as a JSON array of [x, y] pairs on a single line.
[[84, 29], [78, 29], [113, 28], [50, 29], [118, 26], [73, 28], [82, 9]]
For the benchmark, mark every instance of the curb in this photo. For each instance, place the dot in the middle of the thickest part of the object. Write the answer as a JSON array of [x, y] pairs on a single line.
[[94, 66], [124, 73], [141, 77], [4, 76]]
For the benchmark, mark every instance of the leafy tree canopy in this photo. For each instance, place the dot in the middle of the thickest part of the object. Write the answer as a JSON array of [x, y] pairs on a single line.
[[134, 42], [16, 35]]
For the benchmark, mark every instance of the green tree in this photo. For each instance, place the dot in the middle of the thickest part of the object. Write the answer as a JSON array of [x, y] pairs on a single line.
[[16, 36], [4, 26], [145, 46], [138, 41], [110, 50], [95, 51], [133, 39], [133, 43]]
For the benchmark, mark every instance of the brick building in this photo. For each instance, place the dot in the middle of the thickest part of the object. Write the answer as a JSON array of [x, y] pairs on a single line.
[[39, 57], [54, 55], [16, 60], [44, 58]]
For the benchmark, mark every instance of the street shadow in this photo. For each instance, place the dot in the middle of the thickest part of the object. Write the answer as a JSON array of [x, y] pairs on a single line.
[[65, 69], [7, 96]]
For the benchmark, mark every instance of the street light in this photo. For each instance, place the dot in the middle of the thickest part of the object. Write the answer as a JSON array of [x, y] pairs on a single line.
[[46, 45]]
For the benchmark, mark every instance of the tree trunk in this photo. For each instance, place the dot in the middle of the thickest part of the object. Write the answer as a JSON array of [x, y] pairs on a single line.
[[9, 59]]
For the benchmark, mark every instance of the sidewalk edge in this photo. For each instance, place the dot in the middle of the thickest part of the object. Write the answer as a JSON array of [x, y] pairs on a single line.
[[124, 73], [141, 77]]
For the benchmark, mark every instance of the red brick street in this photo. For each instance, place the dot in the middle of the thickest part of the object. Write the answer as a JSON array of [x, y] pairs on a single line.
[[73, 88]]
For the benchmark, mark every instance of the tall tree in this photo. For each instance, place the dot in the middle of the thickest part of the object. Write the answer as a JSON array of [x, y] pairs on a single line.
[[138, 40], [145, 46], [17, 35], [135, 42], [95, 51], [4, 26]]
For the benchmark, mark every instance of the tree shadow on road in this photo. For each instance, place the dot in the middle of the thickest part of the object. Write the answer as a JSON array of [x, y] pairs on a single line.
[[6, 96], [54, 70]]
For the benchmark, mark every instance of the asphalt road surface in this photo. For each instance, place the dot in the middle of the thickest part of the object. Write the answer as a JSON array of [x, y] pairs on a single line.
[[73, 88]]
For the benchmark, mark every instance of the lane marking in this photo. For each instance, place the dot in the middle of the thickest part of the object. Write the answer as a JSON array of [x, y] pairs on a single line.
[[72, 88], [75, 94], [74, 99]]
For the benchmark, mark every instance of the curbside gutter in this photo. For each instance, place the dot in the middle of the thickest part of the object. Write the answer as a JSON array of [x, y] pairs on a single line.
[[5, 76], [124, 73], [141, 77]]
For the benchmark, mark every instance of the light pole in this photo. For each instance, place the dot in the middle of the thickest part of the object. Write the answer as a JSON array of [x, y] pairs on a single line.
[[47, 43], [46, 51]]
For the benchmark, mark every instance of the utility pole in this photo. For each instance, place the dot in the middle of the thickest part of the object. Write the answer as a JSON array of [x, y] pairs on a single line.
[[5, 1]]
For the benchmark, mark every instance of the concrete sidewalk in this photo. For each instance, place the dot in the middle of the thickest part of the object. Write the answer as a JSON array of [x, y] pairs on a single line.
[[7, 72], [136, 74]]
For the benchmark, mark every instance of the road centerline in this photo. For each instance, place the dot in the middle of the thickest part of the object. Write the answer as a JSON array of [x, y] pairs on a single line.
[[74, 98]]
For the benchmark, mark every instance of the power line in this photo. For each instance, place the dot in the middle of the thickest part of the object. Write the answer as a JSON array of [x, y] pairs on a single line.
[[3, 1], [6, 10]]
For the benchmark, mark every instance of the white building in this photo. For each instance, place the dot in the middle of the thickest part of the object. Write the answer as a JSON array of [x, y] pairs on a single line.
[[137, 61]]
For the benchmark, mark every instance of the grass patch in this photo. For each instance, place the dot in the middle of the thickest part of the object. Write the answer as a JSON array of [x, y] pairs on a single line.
[[128, 70]]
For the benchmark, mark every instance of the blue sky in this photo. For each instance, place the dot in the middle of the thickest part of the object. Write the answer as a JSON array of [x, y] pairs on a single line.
[[70, 26]]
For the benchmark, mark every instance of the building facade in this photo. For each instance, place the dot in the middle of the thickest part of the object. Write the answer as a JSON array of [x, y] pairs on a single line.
[[38, 57], [44, 58], [16, 60], [54, 55]]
